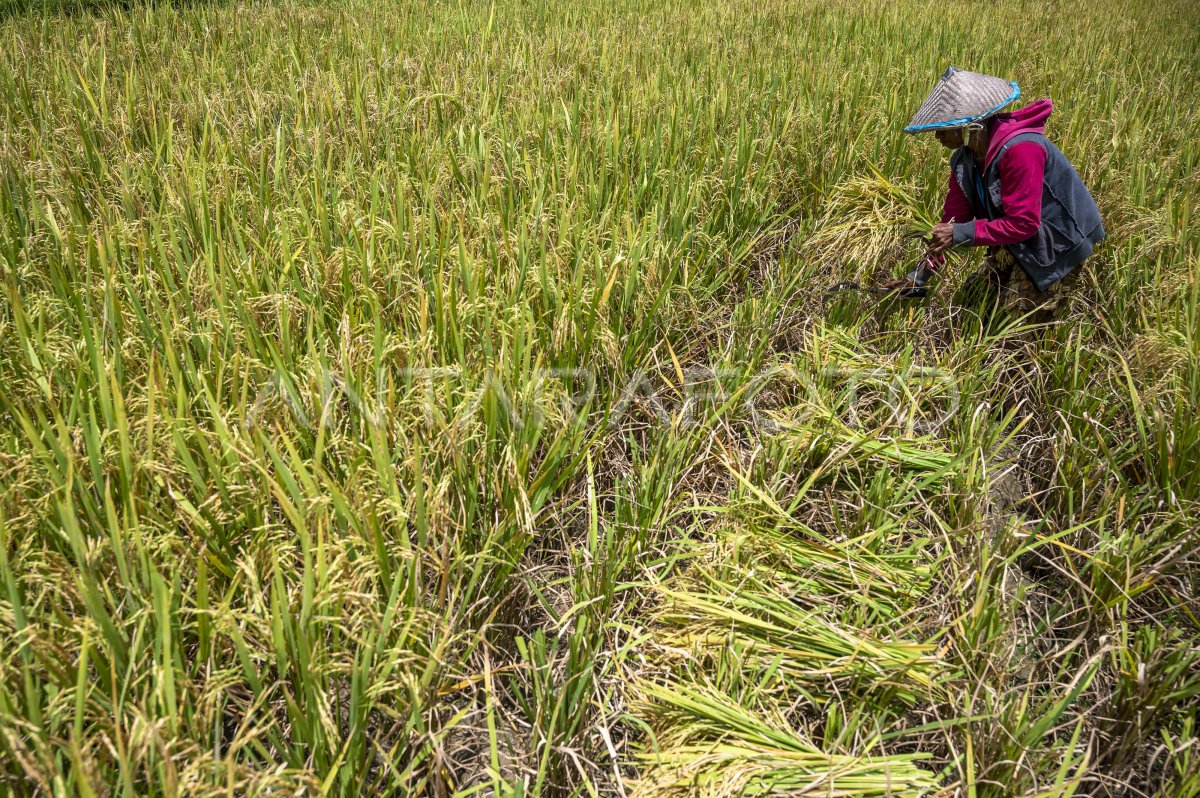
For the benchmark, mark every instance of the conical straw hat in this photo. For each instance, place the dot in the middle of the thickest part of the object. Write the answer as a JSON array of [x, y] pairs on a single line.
[[962, 97]]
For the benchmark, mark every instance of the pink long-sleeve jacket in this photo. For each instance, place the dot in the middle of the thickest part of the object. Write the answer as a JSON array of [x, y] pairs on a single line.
[[1020, 170]]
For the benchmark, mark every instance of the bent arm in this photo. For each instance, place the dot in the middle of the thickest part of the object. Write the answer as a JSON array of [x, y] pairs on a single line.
[[1021, 173], [956, 208]]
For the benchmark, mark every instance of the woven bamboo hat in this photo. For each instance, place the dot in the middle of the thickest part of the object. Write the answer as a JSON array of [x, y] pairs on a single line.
[[960, 98]]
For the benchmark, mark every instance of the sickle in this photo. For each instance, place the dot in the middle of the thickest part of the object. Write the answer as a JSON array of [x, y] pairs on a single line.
[[912, 292]]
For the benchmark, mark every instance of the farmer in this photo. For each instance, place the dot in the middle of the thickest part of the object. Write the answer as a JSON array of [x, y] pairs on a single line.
[[1011, 191]]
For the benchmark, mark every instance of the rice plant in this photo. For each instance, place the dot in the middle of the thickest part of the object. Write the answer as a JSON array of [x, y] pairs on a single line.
[[443, 398]]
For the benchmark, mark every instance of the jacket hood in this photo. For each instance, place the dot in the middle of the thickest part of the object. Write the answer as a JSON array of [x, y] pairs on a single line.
[[1030, 119]]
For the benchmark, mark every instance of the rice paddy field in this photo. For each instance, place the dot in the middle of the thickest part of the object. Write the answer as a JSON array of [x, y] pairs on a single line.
[[441, 398]]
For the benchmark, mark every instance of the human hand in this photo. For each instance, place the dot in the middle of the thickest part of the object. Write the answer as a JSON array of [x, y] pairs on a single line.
[[900, 283], [941, 238]]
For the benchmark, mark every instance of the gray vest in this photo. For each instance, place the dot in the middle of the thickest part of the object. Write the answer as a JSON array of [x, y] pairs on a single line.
[[1070, 227]]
